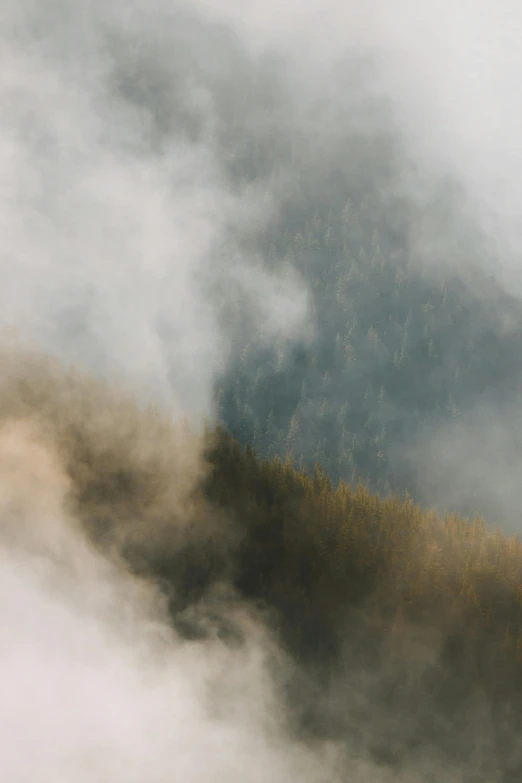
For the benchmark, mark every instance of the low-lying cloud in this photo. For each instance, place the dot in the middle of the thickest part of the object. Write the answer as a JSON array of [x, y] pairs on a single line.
[[95, 681], [116, 210]]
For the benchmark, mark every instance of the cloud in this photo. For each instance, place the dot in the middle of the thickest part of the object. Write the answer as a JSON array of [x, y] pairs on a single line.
[[115, 205], [122, 205], [95, 681], [87, 691], [450, 74]]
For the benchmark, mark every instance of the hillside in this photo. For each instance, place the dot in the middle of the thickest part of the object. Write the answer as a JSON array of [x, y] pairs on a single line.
[[409, 621]]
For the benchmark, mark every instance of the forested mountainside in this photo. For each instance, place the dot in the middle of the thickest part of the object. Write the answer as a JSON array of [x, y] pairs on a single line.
[[408, 334], [405, 333], [402, 630], [393, 352]]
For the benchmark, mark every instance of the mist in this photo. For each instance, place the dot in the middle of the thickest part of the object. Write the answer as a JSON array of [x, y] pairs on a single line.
[[118, 226], [116, 210], [442, 81], [94, 680], [151, 159]]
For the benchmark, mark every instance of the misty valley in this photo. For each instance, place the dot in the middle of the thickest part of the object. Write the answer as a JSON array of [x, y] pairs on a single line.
[[260, 386]]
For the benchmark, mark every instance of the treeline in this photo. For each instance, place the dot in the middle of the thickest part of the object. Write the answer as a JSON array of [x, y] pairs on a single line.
[[405, 627], [331, 548], [402, 616]]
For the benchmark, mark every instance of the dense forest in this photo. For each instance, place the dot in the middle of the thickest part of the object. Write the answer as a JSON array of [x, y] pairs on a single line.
[[401, 616], [394, 351]]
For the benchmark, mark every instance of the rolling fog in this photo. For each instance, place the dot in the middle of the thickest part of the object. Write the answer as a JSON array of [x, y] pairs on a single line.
[[132, 250]]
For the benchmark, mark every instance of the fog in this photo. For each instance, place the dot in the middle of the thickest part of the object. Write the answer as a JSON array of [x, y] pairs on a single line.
[[94, 680], [131, 249], [117, 223], [114, 213], [449, 76]]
